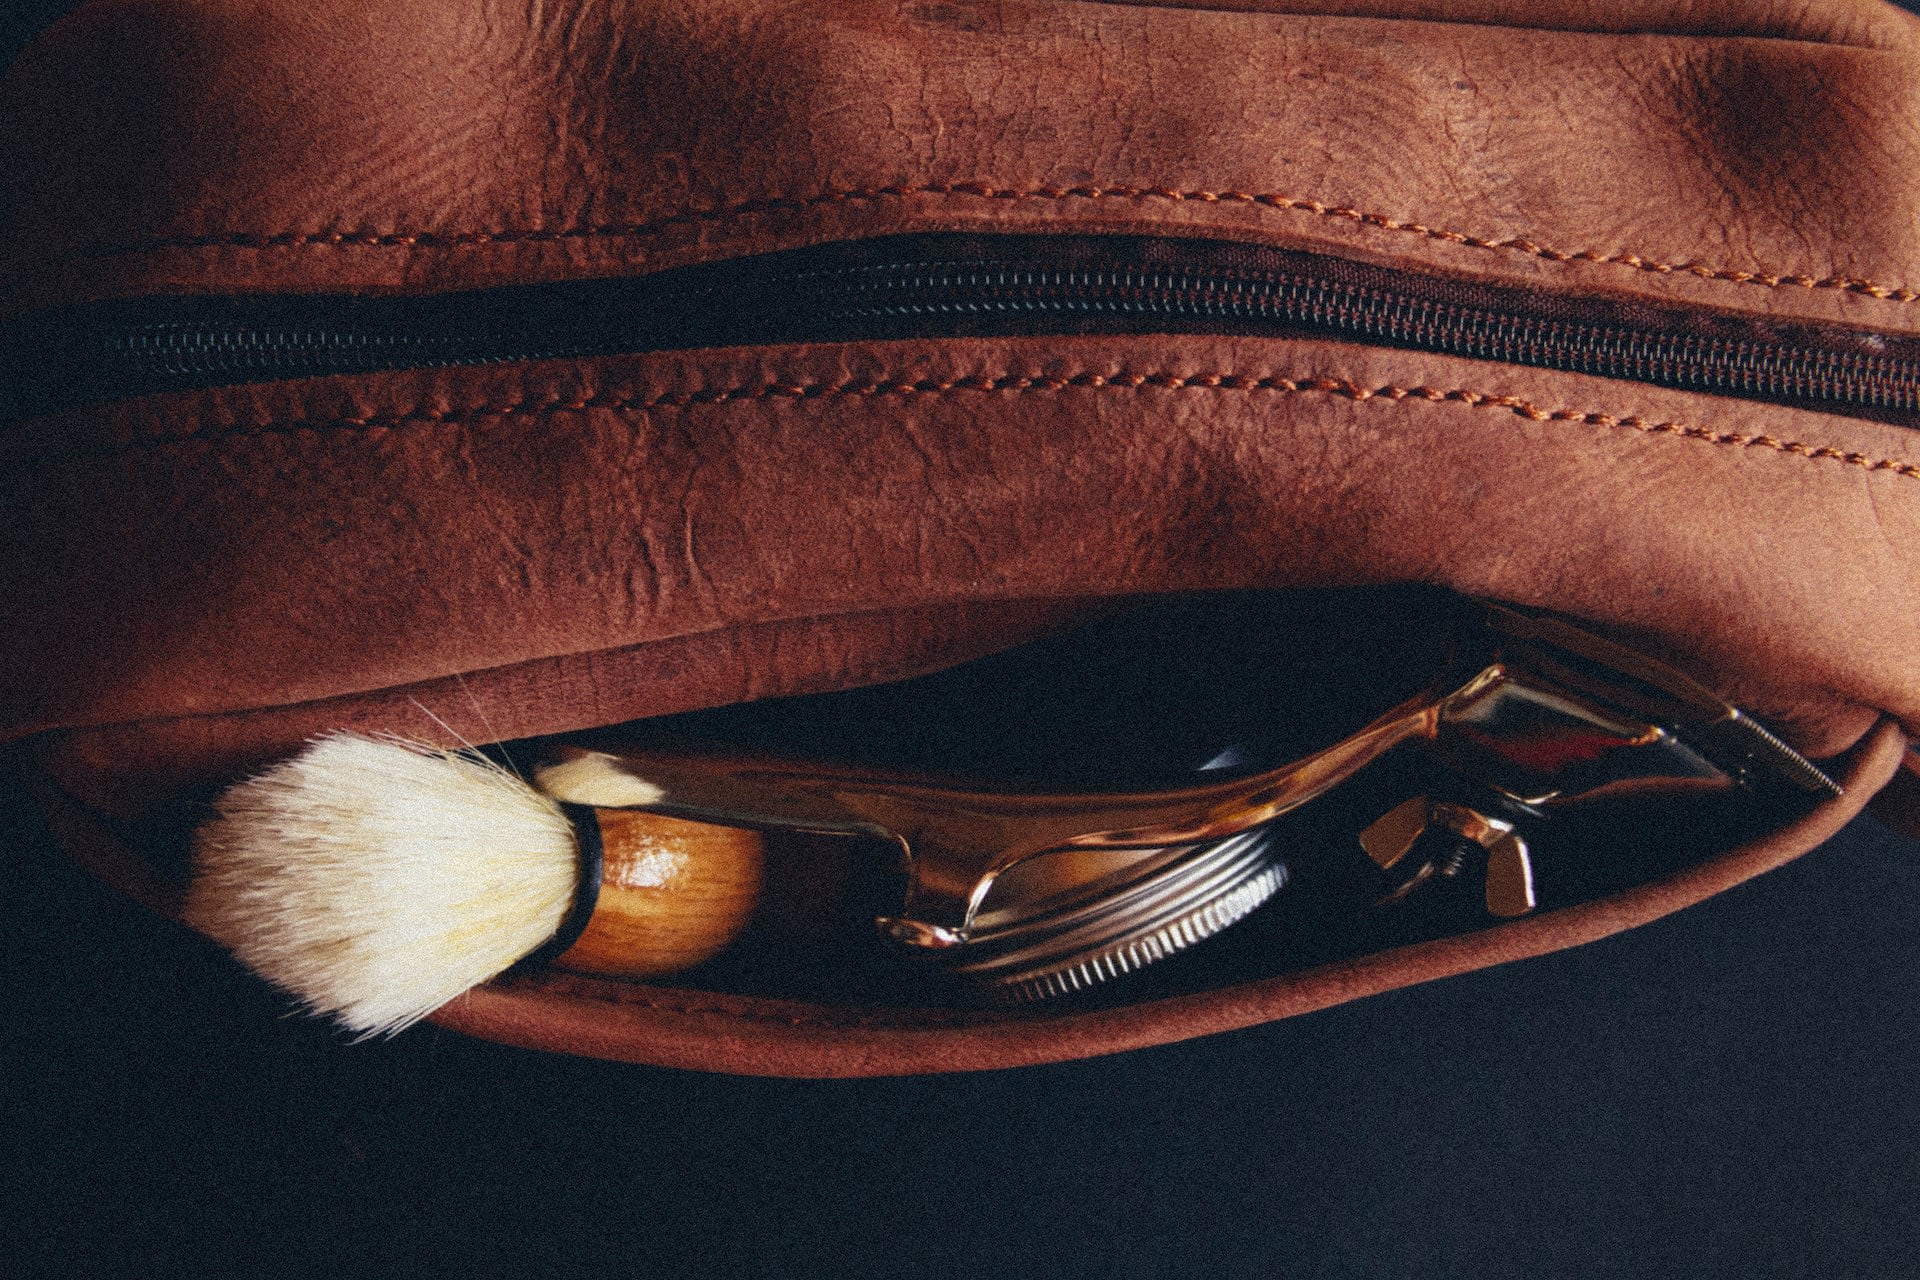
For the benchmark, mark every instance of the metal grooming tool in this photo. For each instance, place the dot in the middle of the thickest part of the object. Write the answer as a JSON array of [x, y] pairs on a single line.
[[1036, 895]]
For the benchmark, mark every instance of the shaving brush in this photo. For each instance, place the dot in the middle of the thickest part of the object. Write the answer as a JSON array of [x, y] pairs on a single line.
[[377, 879]]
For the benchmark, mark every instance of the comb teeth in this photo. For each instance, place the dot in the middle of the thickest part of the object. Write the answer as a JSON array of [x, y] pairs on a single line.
[[1783, 759]]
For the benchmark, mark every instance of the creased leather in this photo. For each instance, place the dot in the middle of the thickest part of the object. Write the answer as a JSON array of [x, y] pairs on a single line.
[[199, 581], [398, 528], [227, 145]]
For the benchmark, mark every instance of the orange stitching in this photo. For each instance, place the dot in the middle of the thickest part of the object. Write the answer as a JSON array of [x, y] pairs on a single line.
[[986, 191], [998, 383]]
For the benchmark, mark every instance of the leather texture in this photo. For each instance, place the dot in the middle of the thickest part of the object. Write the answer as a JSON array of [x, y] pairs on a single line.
[[201, 580], [1750, 156]]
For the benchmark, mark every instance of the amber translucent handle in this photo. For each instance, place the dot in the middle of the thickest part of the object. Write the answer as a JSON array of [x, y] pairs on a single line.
[[673, 894]]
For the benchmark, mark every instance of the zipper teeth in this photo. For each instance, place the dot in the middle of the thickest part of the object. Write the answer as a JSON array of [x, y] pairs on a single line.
[[1715, 364], [188, 348], [830, 302]]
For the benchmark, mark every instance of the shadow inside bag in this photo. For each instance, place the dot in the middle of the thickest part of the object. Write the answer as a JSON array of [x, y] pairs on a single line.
[[1163, 695]]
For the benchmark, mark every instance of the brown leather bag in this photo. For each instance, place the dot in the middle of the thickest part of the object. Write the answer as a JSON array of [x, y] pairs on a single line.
[[213, 560]]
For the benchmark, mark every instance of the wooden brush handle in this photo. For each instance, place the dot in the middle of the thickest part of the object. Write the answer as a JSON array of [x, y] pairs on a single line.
[[673, 894]]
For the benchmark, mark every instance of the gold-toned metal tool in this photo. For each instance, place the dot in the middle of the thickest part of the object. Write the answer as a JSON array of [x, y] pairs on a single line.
[[1043, 892], [1509, 863], [378, 879]]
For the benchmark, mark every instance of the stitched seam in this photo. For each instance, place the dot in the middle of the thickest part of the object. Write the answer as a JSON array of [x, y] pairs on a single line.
[[1017, 383], [987, 191]]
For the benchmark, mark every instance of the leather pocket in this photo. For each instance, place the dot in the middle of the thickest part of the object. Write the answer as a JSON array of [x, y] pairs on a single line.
[[1671, 414]]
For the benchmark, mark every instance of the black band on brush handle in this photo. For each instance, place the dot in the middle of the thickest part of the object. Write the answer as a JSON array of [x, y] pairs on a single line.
[[586, 894]]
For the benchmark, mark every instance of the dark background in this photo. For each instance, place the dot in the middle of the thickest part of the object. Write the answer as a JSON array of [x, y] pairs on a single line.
[[1729, 1092]]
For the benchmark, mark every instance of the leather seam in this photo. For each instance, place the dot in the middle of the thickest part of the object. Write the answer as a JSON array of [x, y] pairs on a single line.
[[1021, 383], [987, 191]]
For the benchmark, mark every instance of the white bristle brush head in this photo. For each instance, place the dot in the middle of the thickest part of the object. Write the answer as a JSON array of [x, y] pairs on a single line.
[[377, 879]]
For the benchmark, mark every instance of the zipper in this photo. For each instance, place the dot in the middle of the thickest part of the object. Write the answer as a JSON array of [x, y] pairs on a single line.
[[950, 285]]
